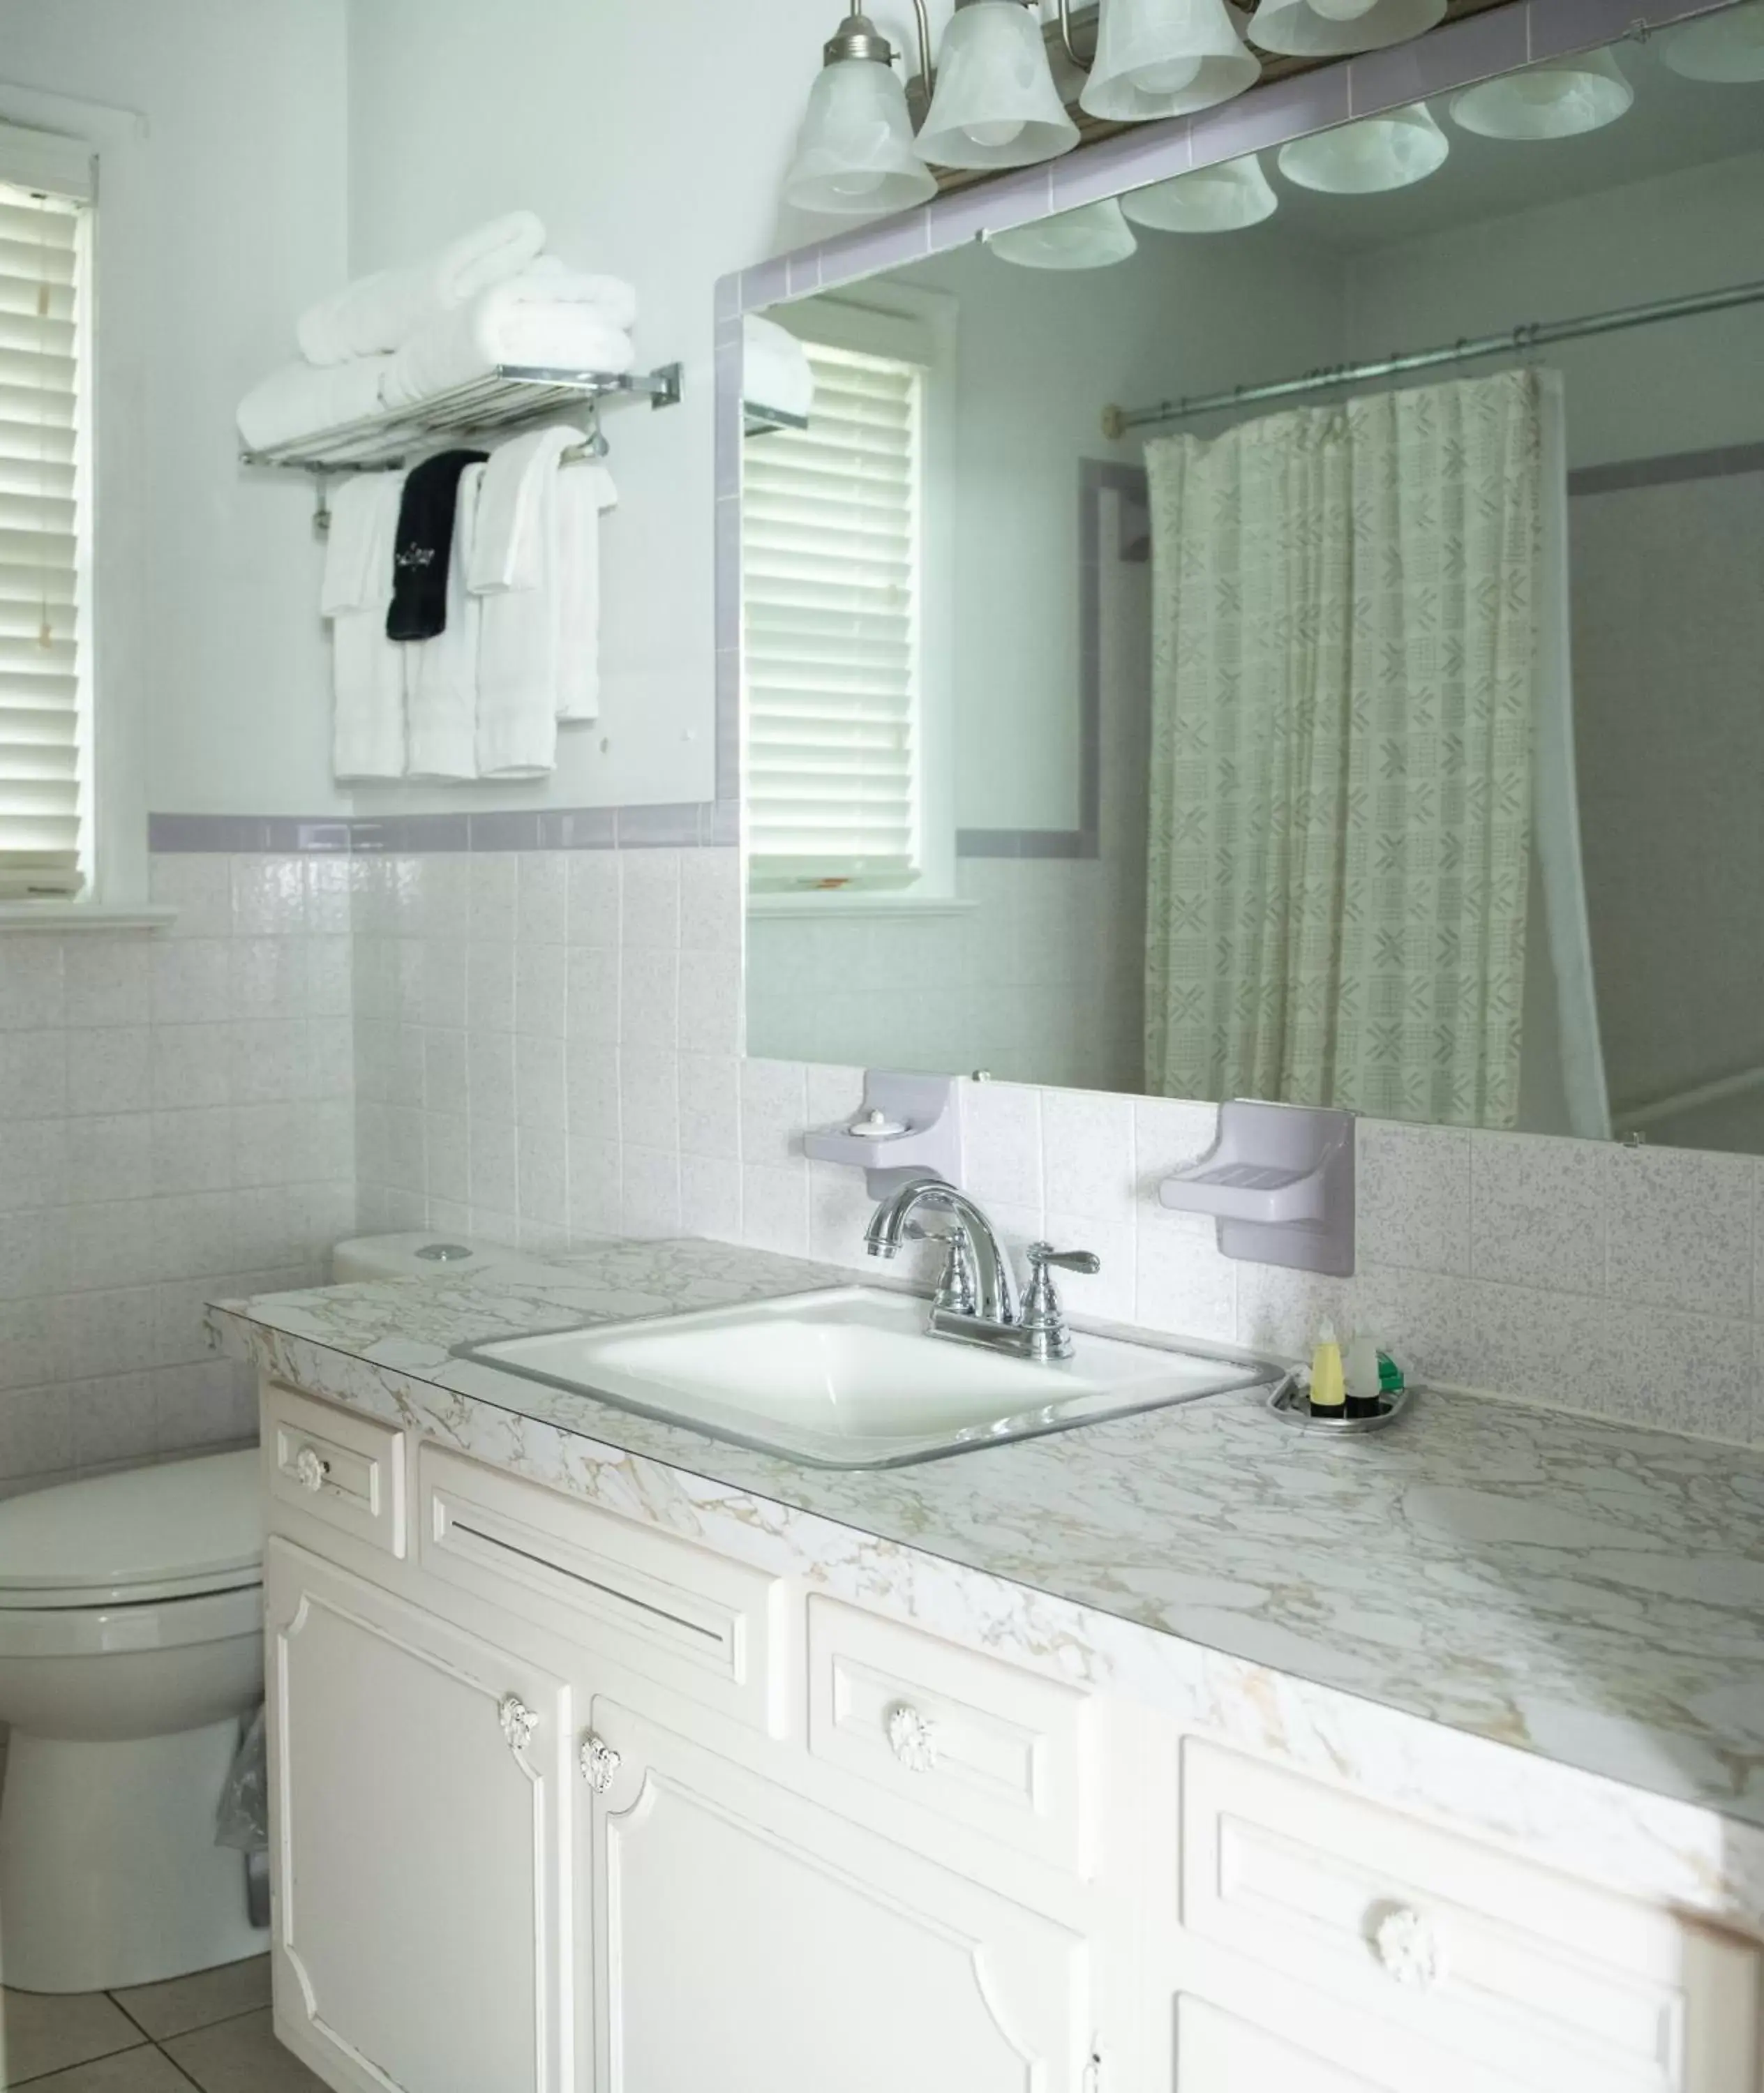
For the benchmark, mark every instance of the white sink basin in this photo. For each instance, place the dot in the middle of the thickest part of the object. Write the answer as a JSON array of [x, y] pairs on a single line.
[[851, 1377]]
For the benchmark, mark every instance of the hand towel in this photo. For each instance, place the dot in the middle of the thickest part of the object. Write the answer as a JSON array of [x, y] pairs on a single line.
[[382, 311], [512, 567], [775, 371], [299, 399], [442, 672], [508, 546], [422, 556], [548, 316], [583, 494], [367, 669]]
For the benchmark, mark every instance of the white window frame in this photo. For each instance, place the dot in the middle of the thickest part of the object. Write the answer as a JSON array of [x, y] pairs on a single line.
[[112, 144], [909, 325]]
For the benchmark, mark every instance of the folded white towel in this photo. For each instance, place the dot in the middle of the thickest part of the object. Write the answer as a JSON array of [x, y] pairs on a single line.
[[382, 311], [583, 494], [511, 566], [442, 672], [367, 669], [547, 315], [300, 399], [775, 371]]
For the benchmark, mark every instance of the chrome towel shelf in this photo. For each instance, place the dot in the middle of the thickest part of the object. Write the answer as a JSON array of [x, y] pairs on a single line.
[[508, 397]]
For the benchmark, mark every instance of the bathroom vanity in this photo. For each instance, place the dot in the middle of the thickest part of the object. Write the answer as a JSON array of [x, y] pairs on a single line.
[[606, 1755]]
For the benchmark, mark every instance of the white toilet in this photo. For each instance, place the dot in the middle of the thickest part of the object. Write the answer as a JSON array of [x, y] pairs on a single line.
[[130, 1645]]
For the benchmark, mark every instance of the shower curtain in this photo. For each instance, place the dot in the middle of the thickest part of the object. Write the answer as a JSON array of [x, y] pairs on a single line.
[[1346, 659]]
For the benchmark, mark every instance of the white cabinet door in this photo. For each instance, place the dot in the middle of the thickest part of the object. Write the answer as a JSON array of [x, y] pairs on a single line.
[[420, 1825], [748, 1941]]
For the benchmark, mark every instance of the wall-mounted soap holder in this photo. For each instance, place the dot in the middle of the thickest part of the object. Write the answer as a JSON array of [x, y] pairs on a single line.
[[1278, 1181], [906, 1125]]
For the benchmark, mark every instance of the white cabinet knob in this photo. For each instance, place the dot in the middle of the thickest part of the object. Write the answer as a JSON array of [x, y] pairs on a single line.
[[912, 1739], [519, 1721], [600, 1762], [311, 1469], [1410, 1949]]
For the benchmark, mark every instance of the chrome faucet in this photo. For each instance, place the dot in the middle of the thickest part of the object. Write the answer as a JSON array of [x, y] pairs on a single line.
[[975, 1299]]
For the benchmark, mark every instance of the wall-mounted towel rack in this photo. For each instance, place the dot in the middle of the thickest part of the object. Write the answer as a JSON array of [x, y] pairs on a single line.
[[508, 397]]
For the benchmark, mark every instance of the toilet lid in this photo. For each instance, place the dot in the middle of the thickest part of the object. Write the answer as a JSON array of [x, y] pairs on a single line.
[[168, 1531]]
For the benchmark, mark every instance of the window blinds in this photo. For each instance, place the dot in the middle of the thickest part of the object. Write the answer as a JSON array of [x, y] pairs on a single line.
[[830, 525], [41, 727]]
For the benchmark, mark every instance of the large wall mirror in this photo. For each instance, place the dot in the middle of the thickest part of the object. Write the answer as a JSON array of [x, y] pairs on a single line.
[[1394, 742]]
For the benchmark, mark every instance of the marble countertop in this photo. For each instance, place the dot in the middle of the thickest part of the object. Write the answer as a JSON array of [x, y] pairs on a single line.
[[1584, 1591]]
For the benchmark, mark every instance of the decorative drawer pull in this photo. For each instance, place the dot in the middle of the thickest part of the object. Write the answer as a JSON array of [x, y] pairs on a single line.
[[519, 1721], [312, 1471], [600, 1762], [912, 1737], [1410, 1949]]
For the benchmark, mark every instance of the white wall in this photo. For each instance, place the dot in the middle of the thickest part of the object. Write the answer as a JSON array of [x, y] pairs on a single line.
[[224, 213]]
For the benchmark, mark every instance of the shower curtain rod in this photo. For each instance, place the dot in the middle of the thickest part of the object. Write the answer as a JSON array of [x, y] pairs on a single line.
[[1117, 421]]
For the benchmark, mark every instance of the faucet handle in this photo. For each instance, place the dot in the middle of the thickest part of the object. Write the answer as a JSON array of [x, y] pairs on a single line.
[[1044, 1323], [1042, 1255]]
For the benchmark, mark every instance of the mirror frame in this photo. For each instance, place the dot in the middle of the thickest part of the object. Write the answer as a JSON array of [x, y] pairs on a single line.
[[1459, 54]]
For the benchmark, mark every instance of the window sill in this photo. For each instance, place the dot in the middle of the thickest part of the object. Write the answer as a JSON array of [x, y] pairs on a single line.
[[62, 916], [807, 907]]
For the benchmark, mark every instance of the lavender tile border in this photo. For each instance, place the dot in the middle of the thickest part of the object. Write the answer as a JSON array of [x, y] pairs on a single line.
[[1670, 471], [689, 825]]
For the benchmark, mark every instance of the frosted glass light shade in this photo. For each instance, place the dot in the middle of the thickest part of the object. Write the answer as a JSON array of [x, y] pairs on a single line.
[[1560, 99], [995, 105], [1378, 153], [1728, 46], [1165, 57], [1093, 236], [1331, 28], [1221, 199], [854, 157]]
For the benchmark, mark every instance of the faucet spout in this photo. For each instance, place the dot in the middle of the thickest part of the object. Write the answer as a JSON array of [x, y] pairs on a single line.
[[994, 1289]]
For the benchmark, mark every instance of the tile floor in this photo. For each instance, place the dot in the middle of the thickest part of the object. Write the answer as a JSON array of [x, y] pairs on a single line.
[[209, 2032]]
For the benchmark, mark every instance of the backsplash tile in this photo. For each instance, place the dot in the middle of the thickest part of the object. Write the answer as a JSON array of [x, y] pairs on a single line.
[[175, 1122], [1590, 1276]]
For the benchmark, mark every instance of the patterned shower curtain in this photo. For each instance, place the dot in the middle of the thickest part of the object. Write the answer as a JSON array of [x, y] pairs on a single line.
[[1344, 650]]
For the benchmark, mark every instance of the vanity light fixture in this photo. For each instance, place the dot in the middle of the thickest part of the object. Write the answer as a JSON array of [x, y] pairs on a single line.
[[1222, 199], [994, 103], [1558, 99], [1094, 237], [1725, 47], [1332, 29], [854, 157], [1161, 57], [1376, 153]]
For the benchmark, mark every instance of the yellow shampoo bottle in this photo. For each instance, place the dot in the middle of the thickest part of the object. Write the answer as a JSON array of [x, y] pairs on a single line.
[[1328, 1388]]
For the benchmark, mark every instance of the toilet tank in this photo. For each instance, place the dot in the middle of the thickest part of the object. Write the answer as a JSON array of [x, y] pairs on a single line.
[[422, 1255]]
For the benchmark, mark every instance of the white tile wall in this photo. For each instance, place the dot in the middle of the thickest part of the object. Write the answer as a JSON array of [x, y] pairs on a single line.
[[1626, 1282], [176, 1121]]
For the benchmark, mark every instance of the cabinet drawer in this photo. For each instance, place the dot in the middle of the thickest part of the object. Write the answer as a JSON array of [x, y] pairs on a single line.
[[335, 1465], [674, 1612], [1545, 1981], [961, 1735]]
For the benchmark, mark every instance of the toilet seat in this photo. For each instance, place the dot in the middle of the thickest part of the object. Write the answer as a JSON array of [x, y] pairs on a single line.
[[179, 1531], [116, 1630]]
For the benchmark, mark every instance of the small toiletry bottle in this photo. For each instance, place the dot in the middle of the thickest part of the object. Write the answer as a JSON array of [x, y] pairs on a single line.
[[1363, 1382], [1329, 1391]]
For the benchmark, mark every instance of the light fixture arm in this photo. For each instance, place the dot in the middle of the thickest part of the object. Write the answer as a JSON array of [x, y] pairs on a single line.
[[1066, 44]]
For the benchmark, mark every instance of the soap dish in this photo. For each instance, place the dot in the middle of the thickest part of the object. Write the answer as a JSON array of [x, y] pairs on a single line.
[[1291, 1405]]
